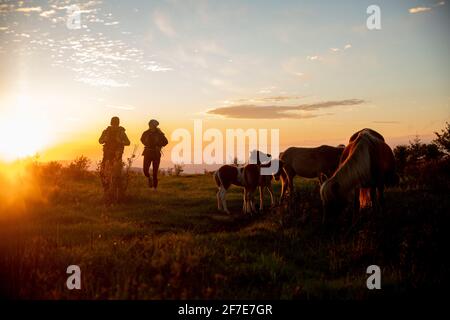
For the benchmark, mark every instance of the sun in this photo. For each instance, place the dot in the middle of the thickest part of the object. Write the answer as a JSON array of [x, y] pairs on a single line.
[[24, 129]]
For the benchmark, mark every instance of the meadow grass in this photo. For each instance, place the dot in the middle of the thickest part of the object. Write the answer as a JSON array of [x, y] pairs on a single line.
[[174, 244]]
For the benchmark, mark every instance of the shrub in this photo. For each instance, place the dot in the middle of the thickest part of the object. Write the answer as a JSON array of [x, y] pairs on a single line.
[[78, 168], [178, 169], [443, 139]]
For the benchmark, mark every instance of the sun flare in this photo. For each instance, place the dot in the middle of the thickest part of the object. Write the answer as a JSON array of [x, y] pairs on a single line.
[[24, 129]]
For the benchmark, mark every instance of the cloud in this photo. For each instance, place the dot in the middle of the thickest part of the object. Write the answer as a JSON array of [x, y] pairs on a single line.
[[425, 9], [29, 9], [47, 13], [262, 100], [163, 23], [156, 68], [347, 46], [419, 9], [313, 58], [303, 111], [267, 90]]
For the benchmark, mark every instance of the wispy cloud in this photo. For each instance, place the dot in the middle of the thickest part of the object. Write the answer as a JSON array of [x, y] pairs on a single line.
[[29, 9], [260, 100], [164, 24], [425, 9], [314, 58], [48, 13], [419, 9], [97, 58], [303, 111]]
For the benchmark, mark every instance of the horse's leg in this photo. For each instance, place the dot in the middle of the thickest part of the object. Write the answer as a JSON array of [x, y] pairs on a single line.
[[381, 196], [223, 194], [244, 206], [261, 198], [269, 188], [243, 202], [283, 178], [291, 184], [374, 198], [252, 202], [356, 206], [219, 200]]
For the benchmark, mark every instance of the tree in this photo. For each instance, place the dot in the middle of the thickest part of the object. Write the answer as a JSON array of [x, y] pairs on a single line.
[[432, 152], [415, 149], [443, 139], [401, 154], [79, 168]]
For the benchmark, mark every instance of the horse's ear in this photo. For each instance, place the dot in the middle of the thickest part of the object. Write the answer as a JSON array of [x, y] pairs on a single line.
[[322, 178]]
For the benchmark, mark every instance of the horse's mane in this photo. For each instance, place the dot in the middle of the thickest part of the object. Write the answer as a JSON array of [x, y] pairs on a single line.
[[368, 131], [355, 168]]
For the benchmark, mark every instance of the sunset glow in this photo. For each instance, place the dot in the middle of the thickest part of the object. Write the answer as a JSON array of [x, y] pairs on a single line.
[[24, 129], [325, 75]]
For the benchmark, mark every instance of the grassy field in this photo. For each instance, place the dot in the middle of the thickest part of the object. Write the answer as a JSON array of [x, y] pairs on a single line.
[[173, 244]]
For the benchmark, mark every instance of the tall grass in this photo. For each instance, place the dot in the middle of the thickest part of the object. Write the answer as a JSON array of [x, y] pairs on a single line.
[[173, 244]]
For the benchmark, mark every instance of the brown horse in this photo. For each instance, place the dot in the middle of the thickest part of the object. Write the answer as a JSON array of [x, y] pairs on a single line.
[[249, 177], [368, 164], [306, 163]]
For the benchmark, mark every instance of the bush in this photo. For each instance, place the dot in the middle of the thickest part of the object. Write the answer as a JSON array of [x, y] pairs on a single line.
[[443, 139], [78, 168], [178, 169]]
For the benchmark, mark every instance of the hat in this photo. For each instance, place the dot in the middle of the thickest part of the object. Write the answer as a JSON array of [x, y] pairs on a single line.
[[153, 123], [115, 121]]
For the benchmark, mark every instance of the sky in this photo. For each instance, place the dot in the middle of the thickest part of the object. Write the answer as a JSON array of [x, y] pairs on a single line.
[[311, 69]]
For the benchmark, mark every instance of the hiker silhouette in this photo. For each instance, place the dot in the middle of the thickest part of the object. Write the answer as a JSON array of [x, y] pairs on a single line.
[[154, 140], [114, 139]]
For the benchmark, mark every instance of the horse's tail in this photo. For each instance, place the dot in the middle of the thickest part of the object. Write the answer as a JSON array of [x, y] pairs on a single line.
[[365, 200]]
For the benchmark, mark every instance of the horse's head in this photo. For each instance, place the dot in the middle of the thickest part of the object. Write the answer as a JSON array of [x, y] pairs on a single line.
[[258, 157], [333, 200]]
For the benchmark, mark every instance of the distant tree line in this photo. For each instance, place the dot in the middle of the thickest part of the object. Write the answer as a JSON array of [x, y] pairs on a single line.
[[417, 151], [426, 164]]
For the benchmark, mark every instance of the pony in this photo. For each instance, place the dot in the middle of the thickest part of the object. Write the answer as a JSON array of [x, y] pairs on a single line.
[[248, 177], [367, 165], [306, 163]]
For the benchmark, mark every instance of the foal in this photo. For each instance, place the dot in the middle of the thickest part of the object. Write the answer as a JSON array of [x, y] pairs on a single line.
[[249, 177]]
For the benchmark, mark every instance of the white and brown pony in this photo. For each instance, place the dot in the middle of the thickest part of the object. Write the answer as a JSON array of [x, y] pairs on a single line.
[[367, 165], [306, 163], [249, 177]]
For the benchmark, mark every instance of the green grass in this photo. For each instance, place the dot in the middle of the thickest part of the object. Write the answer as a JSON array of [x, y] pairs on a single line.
[[174, 244]]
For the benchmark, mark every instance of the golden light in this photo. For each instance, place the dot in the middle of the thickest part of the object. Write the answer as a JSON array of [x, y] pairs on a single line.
[[24, 129]]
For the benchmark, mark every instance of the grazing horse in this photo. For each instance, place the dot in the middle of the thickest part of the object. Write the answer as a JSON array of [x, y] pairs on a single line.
[[306, 163], [249, 177], [367, 163]]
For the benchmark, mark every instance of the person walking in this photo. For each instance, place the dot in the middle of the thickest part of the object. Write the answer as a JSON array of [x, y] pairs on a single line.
[[154, 140]]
